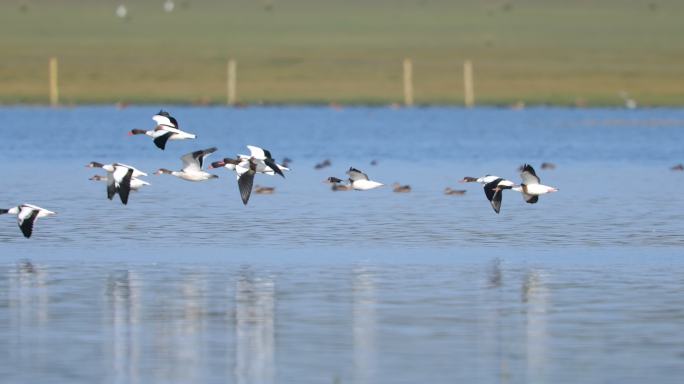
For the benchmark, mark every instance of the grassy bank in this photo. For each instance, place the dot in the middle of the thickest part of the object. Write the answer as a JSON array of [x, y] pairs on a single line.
[[321, 51]]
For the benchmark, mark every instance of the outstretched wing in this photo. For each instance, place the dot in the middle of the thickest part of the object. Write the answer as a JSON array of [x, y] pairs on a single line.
[[528, 175], [26, 218], [111, 185], [494, 194], [245, 183], [125, 187], [194, 161], [160, 141], [163, 118], [257, 153], [355, 174]]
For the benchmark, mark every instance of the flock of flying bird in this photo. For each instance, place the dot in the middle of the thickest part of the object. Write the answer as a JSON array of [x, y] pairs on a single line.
[[121, 179]]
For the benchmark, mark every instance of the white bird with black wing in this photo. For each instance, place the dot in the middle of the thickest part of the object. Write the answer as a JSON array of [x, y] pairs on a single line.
[[264, 161], [486, 179], [192, 166], [27, 215], [167, 129], [119, 178], [531, 187], [136, 183], [245, 178], [360, 180]]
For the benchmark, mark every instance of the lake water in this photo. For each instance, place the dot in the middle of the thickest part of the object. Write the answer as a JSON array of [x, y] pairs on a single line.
[[185, 284]]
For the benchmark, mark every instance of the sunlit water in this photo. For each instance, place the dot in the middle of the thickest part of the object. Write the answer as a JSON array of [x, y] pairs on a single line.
[[185, 284]]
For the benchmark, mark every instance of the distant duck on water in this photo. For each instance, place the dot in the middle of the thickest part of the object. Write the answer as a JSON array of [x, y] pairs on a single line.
[[259, 190], [336, 184], [325, 163], [27, 215], [398, 188], [452, 192]]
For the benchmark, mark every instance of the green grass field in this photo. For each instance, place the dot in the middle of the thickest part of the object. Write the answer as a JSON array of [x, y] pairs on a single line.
[[345, 51]]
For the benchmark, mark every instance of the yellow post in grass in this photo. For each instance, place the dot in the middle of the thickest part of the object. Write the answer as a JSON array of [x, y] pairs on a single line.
[[408, 82], [232, 79], [54, 89], [469, 90]]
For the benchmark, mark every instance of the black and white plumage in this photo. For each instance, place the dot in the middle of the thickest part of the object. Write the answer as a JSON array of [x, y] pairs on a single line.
[[246, 180], [360, 181], [531, 187], [264, 161], [486, 179], [192, 166], [27, 215], [246, 167], [494, 192], [264, 155], [136, 183], [167, 129], [336, 184], [227, 163], [119, 178]]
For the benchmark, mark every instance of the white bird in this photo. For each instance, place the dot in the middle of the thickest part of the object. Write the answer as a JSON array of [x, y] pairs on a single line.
[[192, 166], [530, 187], [27, 215], [482, 180], [264, 161], [111, 167], [360, 180], [245, 168], [167, 129], [119, 178], [136, 183]]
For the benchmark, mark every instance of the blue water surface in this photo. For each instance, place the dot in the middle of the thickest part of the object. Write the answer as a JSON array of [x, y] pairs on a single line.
[[186, 284]]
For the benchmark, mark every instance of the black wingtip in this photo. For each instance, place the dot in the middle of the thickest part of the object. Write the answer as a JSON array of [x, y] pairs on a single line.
[[274, 167], [527, 168]]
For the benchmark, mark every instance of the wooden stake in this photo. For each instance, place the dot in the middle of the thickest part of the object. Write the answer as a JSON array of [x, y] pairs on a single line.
[[54, 89], [408, 82], [468, 84], [232, 79]]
